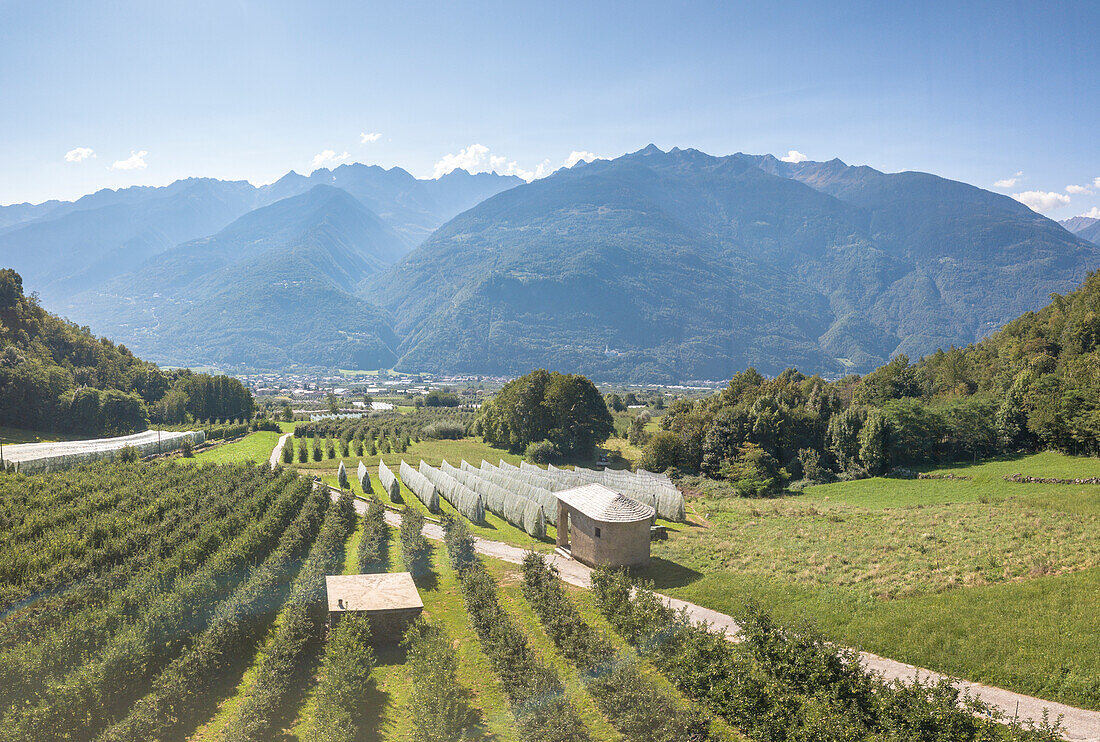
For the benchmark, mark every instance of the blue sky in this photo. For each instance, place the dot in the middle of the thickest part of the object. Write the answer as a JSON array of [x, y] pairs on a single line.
[[980, 92]]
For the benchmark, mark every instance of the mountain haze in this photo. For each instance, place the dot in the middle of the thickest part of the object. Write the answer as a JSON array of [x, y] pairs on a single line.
[[678, 265], [1084, 227], [64, 248], [273, 289]]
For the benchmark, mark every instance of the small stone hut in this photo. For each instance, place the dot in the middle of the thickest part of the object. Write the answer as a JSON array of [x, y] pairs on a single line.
[[390, 600], [598, 526]]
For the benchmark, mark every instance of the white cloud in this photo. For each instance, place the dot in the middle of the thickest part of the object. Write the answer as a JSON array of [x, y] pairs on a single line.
[[794, 156], [1093, 213], [367, 138], [79, 154], [1096, 182], [1077, 189], [1042, 201], [1009, 182], [328, 157], [471, 159], [136, 161], [577, 156], [478, 159]]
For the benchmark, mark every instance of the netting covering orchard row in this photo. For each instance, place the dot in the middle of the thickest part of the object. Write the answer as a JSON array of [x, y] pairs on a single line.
[[509, 503], [461, 497], [651, 489], [420, 486], [38, 458]]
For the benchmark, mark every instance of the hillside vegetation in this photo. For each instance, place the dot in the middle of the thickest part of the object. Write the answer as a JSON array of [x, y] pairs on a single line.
[[56, 376], [1033, 385]]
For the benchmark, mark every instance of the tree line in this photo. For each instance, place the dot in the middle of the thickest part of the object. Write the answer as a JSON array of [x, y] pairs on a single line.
[[1034, 385]]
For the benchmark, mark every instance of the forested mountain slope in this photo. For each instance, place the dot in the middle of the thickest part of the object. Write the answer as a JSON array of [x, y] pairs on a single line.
[[1091, 232], [271, 290], [81, 244], [678, 265], [56, 376], [1033, 385], [413, 207]]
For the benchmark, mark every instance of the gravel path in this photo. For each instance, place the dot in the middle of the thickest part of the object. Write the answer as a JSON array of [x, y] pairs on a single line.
[[1080, 725], [274, 458]]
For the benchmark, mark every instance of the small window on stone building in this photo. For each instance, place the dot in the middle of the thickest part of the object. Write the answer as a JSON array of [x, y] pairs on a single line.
[[597, 533]]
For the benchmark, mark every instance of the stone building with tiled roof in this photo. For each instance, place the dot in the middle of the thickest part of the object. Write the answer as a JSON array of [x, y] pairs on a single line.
[[597, 525]]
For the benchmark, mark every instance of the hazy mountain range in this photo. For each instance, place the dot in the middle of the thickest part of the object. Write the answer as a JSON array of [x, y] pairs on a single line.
[[1084, 226], [654, 266]]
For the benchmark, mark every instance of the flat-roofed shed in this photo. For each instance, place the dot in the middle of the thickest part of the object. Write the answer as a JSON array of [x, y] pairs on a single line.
[[390, 600], [598, 525]]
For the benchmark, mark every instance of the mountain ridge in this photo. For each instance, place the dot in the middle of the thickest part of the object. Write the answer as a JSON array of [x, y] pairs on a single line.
[[820, 265], [252, 293]]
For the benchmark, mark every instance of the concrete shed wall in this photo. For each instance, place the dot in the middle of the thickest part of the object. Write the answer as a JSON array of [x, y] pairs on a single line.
[[619, 544]]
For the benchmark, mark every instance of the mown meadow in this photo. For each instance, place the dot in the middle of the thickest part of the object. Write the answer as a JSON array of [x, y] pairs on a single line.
[[981, 578]]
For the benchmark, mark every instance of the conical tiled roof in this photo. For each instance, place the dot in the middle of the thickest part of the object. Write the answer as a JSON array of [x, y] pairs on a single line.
[[605, 505]]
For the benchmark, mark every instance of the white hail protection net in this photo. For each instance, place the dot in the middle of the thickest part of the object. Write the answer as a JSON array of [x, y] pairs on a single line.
[[363, 474], [424, 490], [389, 482], [461, 497], [655, 490], [516, 509], [38, 458]]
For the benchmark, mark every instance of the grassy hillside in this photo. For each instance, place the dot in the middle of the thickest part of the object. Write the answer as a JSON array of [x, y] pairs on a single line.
[[985, 579]]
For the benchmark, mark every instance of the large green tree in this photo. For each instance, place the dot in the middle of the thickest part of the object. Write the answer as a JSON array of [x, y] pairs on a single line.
[[565, 409]]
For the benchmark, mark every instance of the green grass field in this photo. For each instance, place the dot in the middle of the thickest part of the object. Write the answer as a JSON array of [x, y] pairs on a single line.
[[986, 579], [254, 447]]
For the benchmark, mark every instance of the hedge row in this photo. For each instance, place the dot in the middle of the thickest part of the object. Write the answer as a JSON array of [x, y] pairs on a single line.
[[543, 712], [415, 549], [778, 685], [345, 680], [73, 627], [83, 702], [373, 546], [302, 627], [183, 690], [634, 704], [438, 705]]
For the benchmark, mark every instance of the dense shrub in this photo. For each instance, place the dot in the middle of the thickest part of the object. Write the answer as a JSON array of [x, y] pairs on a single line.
[[444, 430], [663, 451], [541, 452]]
